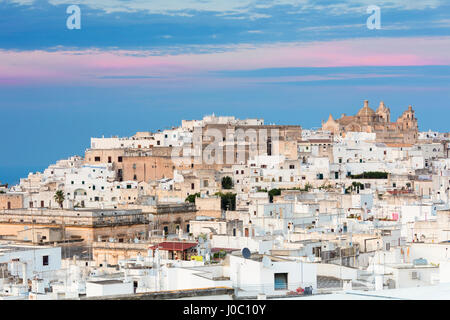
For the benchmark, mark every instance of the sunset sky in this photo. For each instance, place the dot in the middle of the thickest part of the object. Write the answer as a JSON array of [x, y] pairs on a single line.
[[146, 65]]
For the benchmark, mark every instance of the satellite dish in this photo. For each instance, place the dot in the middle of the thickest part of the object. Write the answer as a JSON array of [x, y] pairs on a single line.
[[311, 258], [246, 253], [200, 240], [267, 263]]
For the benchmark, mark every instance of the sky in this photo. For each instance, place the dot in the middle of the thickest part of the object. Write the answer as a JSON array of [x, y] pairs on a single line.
[[146, 65]]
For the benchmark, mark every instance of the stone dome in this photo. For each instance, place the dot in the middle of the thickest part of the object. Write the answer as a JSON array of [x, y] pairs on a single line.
[[366, 111]]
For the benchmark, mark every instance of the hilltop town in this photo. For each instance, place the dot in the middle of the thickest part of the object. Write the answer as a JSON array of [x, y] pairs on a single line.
[[232, 209]]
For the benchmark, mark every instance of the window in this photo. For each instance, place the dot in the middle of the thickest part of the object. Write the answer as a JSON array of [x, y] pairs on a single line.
[[45, 260], [119, 159], [97, 159], [281, 281], [109, 160], [291, 166]]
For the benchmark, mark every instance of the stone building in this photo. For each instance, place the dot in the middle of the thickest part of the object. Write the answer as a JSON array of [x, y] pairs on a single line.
[[82, 225], [404, 130], [11, 201]]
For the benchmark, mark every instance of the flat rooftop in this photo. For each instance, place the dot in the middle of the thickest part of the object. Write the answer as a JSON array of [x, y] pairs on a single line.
[[435, 292], [6, 247], [258, 257], [105, 282]]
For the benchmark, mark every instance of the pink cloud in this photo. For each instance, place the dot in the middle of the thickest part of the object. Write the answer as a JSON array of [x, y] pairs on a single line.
[[90, 65]]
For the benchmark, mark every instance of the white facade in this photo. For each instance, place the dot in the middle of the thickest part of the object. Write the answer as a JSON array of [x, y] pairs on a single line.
[[278, 277], [108, 288]]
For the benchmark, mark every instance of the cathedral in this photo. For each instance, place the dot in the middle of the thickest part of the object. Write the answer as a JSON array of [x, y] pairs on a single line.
[[403, 131]]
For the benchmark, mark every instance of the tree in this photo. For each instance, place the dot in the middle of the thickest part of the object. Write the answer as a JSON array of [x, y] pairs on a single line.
[[370, 175], [227, 183], [274, 192], [228, 200], [191, 197], [59, 197]]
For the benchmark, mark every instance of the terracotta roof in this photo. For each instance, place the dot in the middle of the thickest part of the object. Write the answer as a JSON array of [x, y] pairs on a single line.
[[346, 120], [399, 145], [223, 249], [174, 246], [320, 140]]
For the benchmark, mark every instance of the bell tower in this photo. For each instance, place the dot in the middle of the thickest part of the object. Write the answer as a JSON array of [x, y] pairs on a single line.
[[384, 113], [408, 121]]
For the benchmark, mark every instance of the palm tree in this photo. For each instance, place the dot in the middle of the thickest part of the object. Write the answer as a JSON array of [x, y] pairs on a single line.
[[59, 197]]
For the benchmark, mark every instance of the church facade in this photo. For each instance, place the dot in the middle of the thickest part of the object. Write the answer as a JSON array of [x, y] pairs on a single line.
[[402, 131]]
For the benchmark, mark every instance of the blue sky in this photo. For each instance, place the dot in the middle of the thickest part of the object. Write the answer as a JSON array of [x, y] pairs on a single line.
[[146, 65]]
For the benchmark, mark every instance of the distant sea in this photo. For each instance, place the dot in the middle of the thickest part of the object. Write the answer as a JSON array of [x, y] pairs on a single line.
[[12, 175]]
